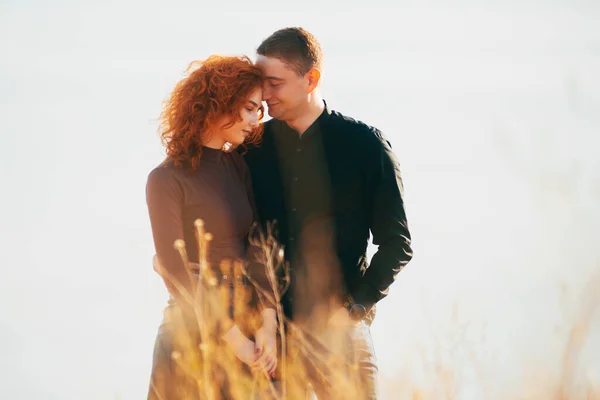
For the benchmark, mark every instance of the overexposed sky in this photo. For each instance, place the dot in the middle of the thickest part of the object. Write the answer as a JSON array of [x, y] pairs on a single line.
[[492, 108]]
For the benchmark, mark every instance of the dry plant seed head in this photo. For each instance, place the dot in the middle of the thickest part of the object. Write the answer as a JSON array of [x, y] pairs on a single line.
[[180, 247], [204, 347], [212, 281], [196, 360]]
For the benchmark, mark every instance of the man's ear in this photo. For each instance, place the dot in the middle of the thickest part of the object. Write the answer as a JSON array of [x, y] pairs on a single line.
[[314, 77]]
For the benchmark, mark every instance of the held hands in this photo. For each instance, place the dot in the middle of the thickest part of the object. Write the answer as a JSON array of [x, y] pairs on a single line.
[[266, 343], [262, 355], [242, 347]]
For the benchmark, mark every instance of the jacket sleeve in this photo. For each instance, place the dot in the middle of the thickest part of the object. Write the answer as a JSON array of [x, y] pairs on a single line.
[[388, 225]]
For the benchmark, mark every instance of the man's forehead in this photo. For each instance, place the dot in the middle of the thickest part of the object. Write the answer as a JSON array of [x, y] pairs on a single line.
[[273, 64]]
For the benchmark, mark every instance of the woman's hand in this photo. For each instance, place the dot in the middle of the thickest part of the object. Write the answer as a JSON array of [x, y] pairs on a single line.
[[266, 343], [242, 347]]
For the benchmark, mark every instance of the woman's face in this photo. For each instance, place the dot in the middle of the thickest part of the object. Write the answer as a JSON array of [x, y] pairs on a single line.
[[240, 130]]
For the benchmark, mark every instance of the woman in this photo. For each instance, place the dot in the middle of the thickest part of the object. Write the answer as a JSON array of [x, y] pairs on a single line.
[[217, 106]]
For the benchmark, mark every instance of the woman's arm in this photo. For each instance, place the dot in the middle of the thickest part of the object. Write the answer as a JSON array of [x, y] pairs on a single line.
[[164, 198]]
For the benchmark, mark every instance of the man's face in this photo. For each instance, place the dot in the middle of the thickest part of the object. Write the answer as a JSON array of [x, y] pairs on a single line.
[[284, 91]]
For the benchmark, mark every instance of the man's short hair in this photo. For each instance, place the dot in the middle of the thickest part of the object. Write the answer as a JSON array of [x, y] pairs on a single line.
[[294, 46]]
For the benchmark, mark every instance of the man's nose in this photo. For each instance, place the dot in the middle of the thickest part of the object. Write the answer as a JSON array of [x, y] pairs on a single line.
[[266, 93]]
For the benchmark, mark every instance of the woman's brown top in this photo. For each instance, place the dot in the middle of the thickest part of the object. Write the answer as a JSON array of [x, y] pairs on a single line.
[[219, 193]]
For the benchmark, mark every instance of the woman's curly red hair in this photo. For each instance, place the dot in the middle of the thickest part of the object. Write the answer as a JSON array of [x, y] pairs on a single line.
[[216, 87]]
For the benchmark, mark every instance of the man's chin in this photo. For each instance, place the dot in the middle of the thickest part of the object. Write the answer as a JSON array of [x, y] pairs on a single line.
[[274, 113]]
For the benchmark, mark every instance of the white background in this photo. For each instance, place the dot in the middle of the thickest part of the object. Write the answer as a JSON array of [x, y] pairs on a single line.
[[492, 108]]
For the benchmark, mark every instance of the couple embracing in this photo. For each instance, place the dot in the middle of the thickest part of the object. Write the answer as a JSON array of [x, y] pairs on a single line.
[[261, 232]]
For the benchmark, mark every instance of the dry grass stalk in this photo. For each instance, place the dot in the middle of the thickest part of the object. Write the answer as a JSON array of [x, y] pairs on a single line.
[[210, 365]]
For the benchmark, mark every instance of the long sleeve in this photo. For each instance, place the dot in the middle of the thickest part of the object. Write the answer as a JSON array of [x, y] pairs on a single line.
[[164, 198], [388, 225]]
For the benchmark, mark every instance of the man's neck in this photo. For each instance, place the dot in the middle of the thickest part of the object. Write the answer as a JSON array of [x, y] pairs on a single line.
[[309, 116]]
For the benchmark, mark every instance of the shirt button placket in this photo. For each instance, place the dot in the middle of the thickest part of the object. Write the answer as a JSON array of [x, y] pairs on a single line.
[[295, 179]]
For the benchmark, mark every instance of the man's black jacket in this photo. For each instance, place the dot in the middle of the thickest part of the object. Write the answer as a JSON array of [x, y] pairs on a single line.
[[366, 195]]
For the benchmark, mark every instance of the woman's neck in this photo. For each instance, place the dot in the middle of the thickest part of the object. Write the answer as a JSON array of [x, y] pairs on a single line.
[[215, 142]]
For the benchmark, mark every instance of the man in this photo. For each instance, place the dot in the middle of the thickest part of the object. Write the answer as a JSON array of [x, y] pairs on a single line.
[[328, 181]]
